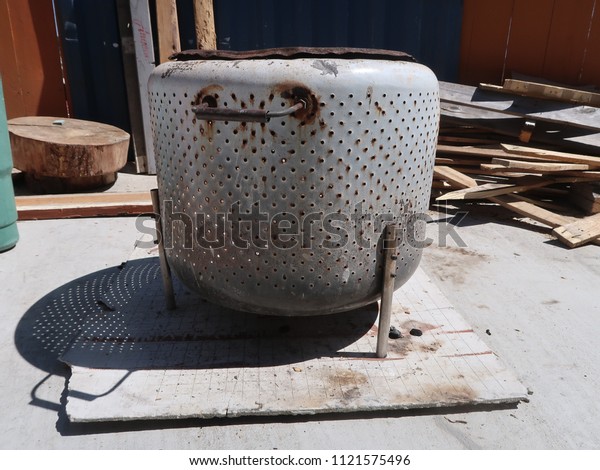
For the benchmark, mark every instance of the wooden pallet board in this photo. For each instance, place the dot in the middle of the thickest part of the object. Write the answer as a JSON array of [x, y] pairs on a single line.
[[63, 206]]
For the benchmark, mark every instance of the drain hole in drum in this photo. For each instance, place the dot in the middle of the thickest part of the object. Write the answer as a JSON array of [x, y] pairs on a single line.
[[209, 101]]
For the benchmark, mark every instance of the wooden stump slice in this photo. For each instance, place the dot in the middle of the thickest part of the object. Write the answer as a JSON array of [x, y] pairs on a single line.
[[60, 154]]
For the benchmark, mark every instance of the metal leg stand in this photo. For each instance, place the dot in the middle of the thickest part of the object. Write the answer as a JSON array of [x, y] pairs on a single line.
[[390, 246], [164, 265]]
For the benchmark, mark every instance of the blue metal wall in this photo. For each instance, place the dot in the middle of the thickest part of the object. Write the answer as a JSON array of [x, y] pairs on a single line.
[[428, 29], [91, 44]]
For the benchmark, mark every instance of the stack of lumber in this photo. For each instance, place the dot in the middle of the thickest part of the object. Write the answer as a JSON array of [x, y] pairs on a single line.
[[495, 148]]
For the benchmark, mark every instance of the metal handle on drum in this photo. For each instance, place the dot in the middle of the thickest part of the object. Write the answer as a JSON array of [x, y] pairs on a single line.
[[209, 113]]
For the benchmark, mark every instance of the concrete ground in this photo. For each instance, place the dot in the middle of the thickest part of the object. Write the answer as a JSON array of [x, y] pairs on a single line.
[[538, 300]]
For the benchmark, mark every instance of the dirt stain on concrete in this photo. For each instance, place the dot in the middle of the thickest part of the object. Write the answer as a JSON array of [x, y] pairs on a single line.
[[453, 263]]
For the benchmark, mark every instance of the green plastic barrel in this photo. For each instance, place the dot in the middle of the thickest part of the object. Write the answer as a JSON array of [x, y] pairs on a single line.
[[9, 234]]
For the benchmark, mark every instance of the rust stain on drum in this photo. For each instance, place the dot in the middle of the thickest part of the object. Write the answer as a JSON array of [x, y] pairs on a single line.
[[207, 95], [296, 91]]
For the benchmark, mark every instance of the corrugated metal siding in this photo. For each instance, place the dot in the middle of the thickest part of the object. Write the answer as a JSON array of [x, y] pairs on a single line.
[[92, 54], [557, 40], [428, 29]]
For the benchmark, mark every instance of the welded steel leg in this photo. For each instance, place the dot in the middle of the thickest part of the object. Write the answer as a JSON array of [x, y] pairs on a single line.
[[164, 265], [390, 246]]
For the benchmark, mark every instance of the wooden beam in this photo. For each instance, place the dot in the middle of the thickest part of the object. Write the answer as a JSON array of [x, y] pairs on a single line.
[[167, 26], [65, 206], [206, 37]]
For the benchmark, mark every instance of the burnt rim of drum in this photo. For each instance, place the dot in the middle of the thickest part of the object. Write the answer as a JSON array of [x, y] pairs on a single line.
[[294, 53]]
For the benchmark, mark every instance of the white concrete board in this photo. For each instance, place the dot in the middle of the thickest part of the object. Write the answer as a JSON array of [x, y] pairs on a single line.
[[140, 361]]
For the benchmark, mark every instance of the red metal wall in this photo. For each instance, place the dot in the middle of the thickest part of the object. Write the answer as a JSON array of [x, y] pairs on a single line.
[[557, 40], [30, 59]]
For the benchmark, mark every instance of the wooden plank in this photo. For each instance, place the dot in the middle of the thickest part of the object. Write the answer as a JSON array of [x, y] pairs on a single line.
[[485, 152], [580, 232], [539, 166], [457, 161], [454, 177], [144, 55], [492, 87], [206, 36], [526, 209], [132, 86], [585, 117], [487, 190], [62, 206], [544, 91], [592, 161], [167, 29], [492, 168], [556, 93]]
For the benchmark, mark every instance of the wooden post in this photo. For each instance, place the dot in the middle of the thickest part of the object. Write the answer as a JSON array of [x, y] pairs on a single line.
[[167, 28], [164, 264], [132, 86], [206, 37], [390, 245], [144, 56]]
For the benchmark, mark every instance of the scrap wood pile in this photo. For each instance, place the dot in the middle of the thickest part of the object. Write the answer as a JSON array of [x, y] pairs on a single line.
[[531, 148]]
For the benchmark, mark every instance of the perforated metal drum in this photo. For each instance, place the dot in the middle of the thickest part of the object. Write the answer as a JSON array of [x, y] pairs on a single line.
[[277, 171]]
